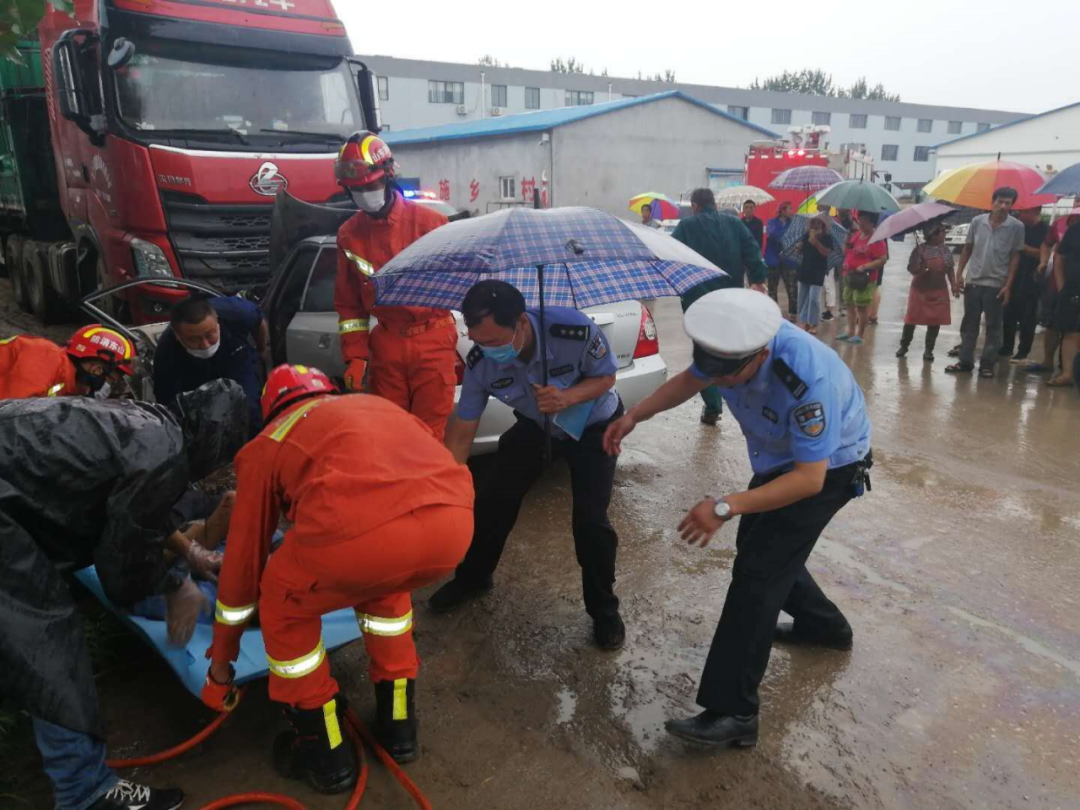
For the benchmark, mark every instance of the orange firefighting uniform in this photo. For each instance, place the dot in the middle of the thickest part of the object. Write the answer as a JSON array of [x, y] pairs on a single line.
[[412, 351], [35, 367], [378, 508]]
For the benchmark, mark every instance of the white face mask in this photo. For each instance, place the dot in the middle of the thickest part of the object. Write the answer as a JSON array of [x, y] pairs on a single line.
[[370, 202], [204, 354], [104, 391]]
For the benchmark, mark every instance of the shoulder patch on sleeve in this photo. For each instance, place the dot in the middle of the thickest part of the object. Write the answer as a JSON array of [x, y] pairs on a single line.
[[475, 355], [810, 419], [792, 382], [598, 349], [570, 331]]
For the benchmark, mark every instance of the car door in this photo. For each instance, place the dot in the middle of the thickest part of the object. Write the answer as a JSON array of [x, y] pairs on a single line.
[[311, 339]]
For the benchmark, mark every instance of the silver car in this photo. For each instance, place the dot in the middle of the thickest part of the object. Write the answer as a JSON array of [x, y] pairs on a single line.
[[299, 307]]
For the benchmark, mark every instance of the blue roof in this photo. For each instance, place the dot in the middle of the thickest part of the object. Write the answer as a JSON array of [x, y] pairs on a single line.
[[1006, 126], [542, 120]]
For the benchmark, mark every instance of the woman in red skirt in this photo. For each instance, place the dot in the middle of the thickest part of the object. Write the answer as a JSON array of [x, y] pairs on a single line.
[[931, 265]]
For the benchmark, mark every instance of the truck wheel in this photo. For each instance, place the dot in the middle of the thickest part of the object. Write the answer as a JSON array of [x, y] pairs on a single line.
[[111, 305], [18, 286], [42, 299], [10, 257]]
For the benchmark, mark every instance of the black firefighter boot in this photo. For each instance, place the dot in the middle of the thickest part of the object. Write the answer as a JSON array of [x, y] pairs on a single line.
[[317, 748], [395, 718]]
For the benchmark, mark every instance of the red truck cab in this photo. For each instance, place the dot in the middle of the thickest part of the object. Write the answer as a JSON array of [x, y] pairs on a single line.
[[174, 123], [765, 161]]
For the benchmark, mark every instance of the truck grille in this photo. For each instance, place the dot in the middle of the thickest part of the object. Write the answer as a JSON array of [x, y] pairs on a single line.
[[227, 245]]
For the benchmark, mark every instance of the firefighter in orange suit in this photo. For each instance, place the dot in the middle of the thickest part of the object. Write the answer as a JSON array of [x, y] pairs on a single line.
[[378, 508], [412, 351], [87, 364]]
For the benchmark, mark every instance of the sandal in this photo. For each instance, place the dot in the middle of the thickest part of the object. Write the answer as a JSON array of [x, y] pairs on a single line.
[[872, 321], [954, 351], [986, 373], [959, 368], [1059, 382]]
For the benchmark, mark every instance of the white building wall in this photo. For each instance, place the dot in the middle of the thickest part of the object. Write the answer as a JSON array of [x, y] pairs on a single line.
[[1048, 142]]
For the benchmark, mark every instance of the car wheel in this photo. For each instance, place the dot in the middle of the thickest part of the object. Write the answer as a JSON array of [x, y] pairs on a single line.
[[42, 299]]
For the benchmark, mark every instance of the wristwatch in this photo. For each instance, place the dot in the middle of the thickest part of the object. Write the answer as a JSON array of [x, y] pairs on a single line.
[[722, 509]]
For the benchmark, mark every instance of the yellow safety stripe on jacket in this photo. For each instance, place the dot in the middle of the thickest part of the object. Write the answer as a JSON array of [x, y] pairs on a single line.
[[401, 699], [55, 390], [353, 325], [298, 667], [233, 615], [363, 265], [6, 341], [333, 727], [279, 433], [382, 626]]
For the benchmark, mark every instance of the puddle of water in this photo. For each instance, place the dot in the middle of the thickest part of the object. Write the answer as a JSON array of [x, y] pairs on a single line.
[[845, 556], [567, 706], [1028, 643]]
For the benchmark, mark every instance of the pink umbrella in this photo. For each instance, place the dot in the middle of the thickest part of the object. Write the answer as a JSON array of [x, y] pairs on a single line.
[[911, 219]]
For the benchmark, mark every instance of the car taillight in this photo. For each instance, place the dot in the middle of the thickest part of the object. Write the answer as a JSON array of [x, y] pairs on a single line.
[[648, 343], [459, 368]]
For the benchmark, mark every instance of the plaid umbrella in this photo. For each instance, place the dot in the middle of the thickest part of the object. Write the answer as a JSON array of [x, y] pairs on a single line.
[[800, 224], [806, 178], [573, 257]]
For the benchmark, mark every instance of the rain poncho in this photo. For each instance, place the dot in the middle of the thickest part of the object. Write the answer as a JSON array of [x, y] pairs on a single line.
[[90, 481]]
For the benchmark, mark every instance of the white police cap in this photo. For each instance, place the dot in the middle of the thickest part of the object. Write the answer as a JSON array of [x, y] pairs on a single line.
[[732, 323]]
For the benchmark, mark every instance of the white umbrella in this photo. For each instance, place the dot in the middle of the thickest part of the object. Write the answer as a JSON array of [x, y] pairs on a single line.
[[735, 196]]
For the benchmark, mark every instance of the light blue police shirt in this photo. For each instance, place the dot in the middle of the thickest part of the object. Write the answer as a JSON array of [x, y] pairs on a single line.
[[803, 405], [576, 348]]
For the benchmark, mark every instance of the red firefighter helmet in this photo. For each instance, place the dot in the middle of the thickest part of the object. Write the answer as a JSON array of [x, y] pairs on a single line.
[[286, 384], [97, 342], [363, 159]]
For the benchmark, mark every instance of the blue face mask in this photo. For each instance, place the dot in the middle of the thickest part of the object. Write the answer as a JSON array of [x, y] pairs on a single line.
[[501, 354]]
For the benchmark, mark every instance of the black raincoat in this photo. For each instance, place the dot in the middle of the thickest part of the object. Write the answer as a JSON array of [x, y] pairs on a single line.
[[89, 481]]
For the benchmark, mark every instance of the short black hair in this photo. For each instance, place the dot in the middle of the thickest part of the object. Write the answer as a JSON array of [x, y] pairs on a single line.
[[194, 309], [749, 202], [1006, 192], [703, 198], [873, 214], [502, 301]]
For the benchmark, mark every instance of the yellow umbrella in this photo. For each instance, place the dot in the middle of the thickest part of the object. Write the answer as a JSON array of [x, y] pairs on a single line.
[[810, 206]]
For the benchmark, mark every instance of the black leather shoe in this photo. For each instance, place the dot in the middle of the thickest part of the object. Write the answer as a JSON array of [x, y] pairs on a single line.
[[456, 593], [609, 632], [787, 634], [709, 417], [709, 728]]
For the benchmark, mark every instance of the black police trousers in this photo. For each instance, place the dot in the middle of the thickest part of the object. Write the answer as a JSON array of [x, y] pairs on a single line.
[[770, 574], [517, 467]]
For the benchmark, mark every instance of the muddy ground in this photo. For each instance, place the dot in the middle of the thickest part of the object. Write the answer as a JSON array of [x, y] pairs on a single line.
[[959, 573]]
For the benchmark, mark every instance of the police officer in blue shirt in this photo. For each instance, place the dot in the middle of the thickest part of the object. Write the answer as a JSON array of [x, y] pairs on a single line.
[[211, 339], [808, 436], [581, 401]]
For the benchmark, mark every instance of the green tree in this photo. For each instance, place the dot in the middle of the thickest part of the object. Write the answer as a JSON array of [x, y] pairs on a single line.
[[571, 65], [860, 89], [487, 60], [819, 83], [19, 19]]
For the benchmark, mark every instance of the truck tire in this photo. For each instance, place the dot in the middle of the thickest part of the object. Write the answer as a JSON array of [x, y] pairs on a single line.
[[11, 250], [42, 299], [18, 285]]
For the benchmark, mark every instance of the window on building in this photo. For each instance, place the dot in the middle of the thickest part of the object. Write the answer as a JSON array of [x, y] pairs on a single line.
[[892, 122], [579, 98], [926, 125], [821, 118], [955, 127], [507, 187], [982, 127], [445, 92], [853, 147], [922, 154], [781, 116], [498, 95], [532, 98], [857, 121], [890, 151], [739, 112], [384, 88]]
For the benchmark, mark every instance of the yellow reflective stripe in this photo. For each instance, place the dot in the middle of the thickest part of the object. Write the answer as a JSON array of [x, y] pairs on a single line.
[[6, 341], [233, 615], [298, 667], [55, 390], [353, 325], [333, 727], [382, 626], [401, 699], [289, 422], [363, 265]]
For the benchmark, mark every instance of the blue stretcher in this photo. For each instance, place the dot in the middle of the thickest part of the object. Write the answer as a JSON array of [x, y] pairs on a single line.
[[190, 662]]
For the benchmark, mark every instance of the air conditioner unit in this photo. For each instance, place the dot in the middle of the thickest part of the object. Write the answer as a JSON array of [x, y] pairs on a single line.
[[496, 111], [461, 109]]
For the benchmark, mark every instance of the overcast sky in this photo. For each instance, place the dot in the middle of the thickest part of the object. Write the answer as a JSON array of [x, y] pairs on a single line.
[[1021, 55]]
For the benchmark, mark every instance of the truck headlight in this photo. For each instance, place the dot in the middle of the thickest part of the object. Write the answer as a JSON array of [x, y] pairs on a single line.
[[149, 260]]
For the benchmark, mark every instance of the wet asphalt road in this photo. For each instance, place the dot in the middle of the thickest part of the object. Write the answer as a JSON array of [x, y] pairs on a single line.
[[958, 572]]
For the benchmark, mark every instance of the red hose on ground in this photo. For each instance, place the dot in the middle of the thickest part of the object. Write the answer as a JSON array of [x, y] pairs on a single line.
[[357, 733]]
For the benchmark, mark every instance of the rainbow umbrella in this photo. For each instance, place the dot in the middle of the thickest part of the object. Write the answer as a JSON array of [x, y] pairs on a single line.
[[973, 186], [663, 207], [809, 206]]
